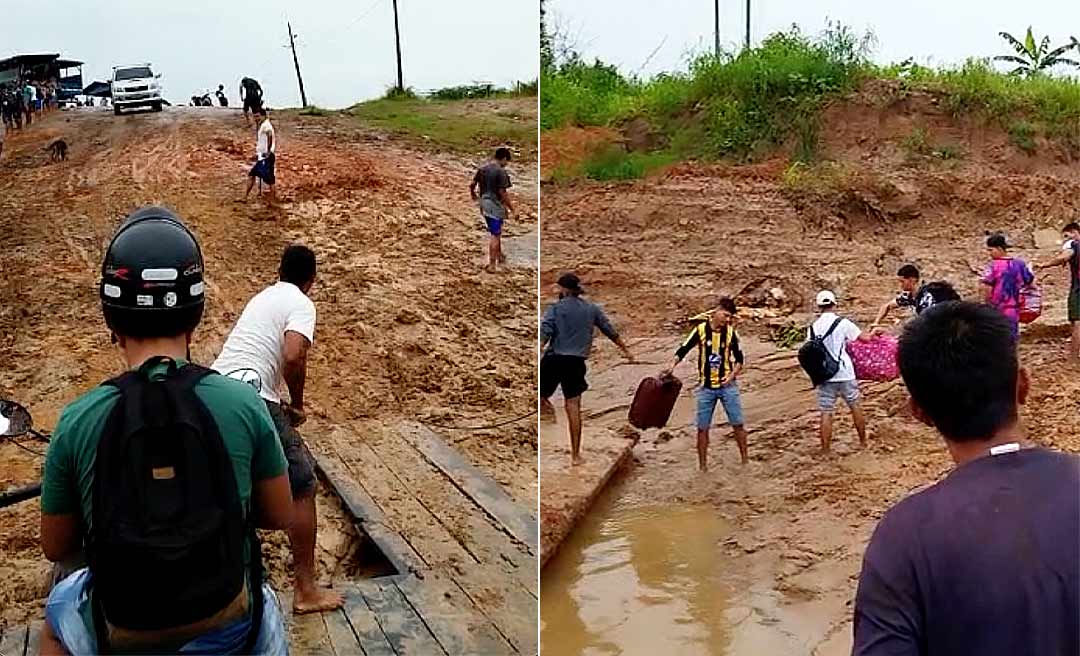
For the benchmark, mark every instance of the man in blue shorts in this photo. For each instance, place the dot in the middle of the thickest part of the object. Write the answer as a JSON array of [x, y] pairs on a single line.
[[495, 206], [720, 361], [265, 154]]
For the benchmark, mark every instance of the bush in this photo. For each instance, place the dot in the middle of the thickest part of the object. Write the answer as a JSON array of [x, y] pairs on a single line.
[[1022, 134], [314, 110], [615, 163], [394, 93]]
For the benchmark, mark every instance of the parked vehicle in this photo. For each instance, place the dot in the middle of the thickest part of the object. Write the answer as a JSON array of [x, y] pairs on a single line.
[[135, 86]]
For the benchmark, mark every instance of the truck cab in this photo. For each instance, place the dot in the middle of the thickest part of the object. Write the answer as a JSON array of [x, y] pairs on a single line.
[[135, 86]]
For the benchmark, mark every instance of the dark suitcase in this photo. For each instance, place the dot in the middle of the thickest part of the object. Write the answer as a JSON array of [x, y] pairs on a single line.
[[653, 402]]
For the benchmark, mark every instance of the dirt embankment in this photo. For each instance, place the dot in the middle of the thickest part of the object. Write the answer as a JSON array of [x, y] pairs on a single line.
[[654, 251], [409, 325]]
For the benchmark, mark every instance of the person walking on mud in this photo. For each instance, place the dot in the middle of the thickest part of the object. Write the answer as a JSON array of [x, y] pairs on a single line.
[[720, 361], [566, 336], [251, 95], [1070, 257], [986, 561], [272, 338], [265, 156], [915, 296], [835, 332], [495, 206], [1005, 278]]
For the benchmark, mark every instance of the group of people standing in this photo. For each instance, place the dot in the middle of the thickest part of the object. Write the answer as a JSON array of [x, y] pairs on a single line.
[[566, 334], [20, 101]]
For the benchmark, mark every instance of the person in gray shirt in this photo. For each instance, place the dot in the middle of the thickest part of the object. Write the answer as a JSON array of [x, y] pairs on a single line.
[[566, 336], [495, 206]]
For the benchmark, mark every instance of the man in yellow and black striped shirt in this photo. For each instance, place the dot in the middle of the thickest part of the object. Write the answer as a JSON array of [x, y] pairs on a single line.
[[720, 361]]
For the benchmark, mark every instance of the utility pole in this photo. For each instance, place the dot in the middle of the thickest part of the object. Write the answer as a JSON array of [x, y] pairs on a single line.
[[716, 30], [747, 24], [296, 62], [397, 41]]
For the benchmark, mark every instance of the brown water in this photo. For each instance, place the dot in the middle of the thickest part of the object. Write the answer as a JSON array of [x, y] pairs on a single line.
[[635, 578]]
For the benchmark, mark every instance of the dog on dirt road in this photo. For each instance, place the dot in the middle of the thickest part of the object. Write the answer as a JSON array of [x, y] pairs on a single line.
[[58, 150]]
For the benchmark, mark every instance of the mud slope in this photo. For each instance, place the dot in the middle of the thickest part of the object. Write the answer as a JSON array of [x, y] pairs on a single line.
[[653, 251], [409, 326]]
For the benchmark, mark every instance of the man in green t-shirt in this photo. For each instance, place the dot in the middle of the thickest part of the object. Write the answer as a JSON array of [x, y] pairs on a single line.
[[152, 324]]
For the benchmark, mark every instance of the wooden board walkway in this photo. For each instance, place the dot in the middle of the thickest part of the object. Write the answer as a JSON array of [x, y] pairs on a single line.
[[465, 554]]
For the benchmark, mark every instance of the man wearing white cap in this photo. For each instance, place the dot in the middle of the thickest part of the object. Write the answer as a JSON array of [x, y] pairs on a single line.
[[835, 333]]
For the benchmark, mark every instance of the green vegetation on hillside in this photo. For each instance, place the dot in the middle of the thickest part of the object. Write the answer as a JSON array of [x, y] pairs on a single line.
[[742, 105], [452, 124]]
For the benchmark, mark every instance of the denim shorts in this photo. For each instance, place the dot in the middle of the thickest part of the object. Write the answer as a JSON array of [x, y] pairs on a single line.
[[827, 393], [728, 396], [494, 225]]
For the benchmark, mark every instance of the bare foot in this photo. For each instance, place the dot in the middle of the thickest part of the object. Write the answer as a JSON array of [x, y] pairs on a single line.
[[316, 600], [576, 461]]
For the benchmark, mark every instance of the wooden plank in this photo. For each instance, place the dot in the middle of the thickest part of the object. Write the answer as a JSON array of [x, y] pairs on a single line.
[[342, 639], [308, 635], [482, 489], [369, 635], [404, 629], [367, 512], [452, 618], [33, 640], [509, 607], [13, 642], [455, 512]]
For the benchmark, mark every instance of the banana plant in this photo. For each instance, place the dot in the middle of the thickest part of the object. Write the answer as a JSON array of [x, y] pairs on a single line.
[[1032, 59]]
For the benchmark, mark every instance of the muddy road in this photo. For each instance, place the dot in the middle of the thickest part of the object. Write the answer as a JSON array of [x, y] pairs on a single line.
[[791, 527], [410, 327]]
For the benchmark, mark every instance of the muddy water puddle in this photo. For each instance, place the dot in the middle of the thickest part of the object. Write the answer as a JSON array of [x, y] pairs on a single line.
[[635, 578]]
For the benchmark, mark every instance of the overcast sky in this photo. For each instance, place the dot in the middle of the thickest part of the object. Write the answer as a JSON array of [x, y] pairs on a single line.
[[346, 47], [625, 32]]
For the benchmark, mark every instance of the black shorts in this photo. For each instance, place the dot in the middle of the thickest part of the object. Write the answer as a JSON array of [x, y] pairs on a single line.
[[567, 371], [301, 469], [264, 169], [252, 104]]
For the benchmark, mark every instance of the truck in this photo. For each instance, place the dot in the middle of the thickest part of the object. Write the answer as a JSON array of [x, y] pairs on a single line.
[[135, 86]]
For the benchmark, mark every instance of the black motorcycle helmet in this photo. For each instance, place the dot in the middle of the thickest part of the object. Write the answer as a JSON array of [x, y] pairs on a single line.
[[152, 277]]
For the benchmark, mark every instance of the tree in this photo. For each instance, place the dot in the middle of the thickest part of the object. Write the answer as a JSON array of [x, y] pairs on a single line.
[[1031, 59], [547, 51]]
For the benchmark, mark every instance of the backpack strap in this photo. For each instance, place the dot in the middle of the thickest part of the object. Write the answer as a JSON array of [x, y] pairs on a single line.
[[831, 328]]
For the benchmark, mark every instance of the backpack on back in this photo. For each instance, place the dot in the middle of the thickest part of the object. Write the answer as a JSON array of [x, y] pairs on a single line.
[[166, 548], [815, 358]]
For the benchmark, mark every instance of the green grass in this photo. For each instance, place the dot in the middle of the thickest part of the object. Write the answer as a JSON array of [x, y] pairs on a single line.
[[314, 110], [743, 105], [615, 163], [446, 124], [468, 91]]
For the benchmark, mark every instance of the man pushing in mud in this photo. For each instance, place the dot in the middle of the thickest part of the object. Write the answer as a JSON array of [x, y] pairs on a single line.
[[495, 206], [566, 336], [720, 361], [915, 296], [987, 561], [272, 337], [1070, 257]]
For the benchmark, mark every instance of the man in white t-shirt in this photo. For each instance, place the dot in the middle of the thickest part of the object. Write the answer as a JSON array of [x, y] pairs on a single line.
[[272, 338], [265, 154], [843, 384]]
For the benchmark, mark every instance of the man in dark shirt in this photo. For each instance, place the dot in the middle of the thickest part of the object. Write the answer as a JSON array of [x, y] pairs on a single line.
[[251, 94], [495, 206], [987, 561], [1070, 257], [720, 361], [566, 335], [915, 296]]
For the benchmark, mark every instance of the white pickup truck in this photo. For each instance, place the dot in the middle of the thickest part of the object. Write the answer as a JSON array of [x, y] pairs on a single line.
[[135, 86]]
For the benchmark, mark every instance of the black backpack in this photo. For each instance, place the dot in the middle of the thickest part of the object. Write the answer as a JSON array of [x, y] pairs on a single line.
[[816, 360], [167, 543]]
